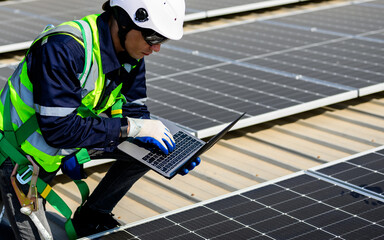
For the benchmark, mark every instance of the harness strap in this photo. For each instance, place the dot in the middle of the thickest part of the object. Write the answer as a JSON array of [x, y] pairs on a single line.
[[26, 130], [8, 150], [9, 133], [9, 141], [58, 203]]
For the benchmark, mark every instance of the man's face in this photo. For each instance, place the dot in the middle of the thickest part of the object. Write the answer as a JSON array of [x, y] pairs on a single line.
[[137, 47]]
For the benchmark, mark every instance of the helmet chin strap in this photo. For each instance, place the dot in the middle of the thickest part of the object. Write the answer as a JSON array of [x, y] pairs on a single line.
[[122, 17], [123, 57], [122, 35]]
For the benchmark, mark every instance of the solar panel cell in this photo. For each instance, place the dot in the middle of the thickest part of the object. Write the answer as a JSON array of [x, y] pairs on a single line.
[[346, 225], [119, 235], [270, 225], [219, 229], [366, 208], [292, 231], [312, 185], [278, 197], [150, 227], [240, 210], [258, 216], [327, 218], [335, 169], [372, 158], [240, 234], [308, 211], [351, 174], [190, 214], [190, 236], [368, 232], [236, 200], [317, 234], [342, 199], [173, 231], [373, 182], [202, 222], [263, 191], [294, 204]]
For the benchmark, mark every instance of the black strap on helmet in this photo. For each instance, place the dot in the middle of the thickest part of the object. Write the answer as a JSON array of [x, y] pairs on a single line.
[[124, 23]]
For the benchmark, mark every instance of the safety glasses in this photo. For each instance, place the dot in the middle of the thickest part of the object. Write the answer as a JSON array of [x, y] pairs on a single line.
[[152, 37]]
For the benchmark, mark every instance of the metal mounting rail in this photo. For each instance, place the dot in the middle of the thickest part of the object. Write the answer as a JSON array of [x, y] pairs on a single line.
[[349, 186]]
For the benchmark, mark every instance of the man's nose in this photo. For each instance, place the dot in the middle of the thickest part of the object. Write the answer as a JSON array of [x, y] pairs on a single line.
[[155, 47]]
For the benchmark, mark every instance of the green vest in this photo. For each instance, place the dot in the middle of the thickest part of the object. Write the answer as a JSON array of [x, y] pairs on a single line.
[[92, 81]]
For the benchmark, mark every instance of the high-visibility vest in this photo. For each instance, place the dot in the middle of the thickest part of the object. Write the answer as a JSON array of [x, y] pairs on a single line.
[[92, 80]]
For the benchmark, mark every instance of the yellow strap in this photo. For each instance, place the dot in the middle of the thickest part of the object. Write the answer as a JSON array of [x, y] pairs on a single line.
[[117, 111], [46, 191]]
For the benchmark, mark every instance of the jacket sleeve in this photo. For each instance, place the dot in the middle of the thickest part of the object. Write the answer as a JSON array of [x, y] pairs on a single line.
[[135, 92], [53, 69]]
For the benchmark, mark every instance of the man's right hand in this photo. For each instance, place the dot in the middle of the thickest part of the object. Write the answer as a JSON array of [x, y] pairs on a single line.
[[151, 131]]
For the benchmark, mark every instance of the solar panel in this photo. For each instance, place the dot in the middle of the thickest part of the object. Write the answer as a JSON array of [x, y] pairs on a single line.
[[353, 59], [22, 21], [269, 68], [304, 205]]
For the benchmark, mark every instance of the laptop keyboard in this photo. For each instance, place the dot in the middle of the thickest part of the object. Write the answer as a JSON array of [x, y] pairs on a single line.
[[185, 144]]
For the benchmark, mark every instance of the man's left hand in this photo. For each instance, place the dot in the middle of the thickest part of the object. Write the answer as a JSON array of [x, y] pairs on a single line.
[[190, 167]]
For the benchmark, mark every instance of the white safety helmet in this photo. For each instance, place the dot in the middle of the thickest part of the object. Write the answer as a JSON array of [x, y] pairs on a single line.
[[165, 17]]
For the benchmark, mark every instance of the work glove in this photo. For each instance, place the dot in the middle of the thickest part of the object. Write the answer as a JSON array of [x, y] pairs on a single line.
[[152, 131], [190, 167]]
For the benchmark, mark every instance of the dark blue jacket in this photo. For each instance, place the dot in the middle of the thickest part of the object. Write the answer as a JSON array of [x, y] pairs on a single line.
[[53, 68]]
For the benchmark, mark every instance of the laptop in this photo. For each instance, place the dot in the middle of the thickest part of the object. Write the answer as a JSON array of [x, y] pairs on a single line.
[[188, 148]]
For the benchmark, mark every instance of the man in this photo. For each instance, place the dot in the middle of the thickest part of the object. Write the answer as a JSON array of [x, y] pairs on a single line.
[[65, 82]]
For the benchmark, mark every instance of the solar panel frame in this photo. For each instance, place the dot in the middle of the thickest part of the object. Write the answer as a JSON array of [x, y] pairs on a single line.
[[200, 9]]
